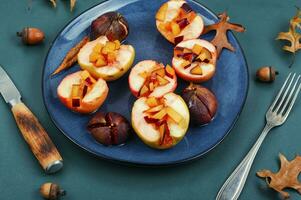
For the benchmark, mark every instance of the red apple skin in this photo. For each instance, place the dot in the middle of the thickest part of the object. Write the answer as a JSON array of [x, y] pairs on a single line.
[[196, 78], [85, 107], [136, 92]]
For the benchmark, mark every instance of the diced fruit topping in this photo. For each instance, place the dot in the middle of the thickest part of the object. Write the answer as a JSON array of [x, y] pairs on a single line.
[[175, 26], [157, 77], [198, 54], [104, 54], [174, 115], [170, 72], [197, 70], [197, 49], [159, 114], [179, 39], [152, 102]]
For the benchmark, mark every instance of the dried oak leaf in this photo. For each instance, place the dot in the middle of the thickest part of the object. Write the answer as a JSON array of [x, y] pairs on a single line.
[[71, 56], [286, 177], [220, 40], [292, 35]]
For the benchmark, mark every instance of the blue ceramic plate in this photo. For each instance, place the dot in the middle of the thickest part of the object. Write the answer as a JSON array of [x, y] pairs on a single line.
[[230, 84]]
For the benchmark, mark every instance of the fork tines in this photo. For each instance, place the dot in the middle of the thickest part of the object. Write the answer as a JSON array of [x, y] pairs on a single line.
[[287, 95]]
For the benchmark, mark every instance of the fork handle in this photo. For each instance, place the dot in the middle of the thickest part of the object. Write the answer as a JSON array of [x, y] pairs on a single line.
[[236, 181]]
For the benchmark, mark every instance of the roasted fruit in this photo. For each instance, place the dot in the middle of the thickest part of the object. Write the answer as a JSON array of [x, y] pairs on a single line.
[[81, 93], [111, 24], [266, 74], [201, 102], [31, 36], [106, 59], [176, 21], [149, 78], [160, 122], [194, 60], [109, 128]]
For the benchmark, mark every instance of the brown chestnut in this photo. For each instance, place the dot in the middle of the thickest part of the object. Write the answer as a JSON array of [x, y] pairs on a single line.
[[109, 128], [111, 24], [31, 36], [266, 74], [201, 102], [51, 191]]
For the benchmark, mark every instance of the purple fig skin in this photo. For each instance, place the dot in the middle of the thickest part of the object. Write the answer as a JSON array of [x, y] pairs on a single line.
[[111, 24], [109, 128], [201, 102]]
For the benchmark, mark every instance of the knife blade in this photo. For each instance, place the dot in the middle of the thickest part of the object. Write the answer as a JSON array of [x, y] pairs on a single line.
[[32, 131]]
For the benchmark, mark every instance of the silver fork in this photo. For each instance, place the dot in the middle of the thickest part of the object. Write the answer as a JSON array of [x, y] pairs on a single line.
[[275, 116]]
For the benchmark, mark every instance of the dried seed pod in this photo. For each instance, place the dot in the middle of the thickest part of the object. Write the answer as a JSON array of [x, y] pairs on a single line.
[[111, 24], [266, 74], [51, 191], [31, 36], [201, 102], [110, 128]]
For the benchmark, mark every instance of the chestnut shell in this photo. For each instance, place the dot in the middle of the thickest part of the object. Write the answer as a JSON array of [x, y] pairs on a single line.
[[109, 128], [201, 102], [111, 24]]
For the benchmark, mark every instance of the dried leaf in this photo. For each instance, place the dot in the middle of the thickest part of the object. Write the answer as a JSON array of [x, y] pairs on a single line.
[[220, 40], [292, 35], [71, 56], [53, 2], [286, 177], [72, 4]]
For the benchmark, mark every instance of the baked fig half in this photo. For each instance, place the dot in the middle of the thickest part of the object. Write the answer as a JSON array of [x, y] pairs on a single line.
[[176, 21], [109, 128], [195, 60], [201, 102], [111, 24]]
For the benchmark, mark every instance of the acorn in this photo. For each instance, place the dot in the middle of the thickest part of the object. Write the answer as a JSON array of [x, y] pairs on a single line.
[[266, 74], [51, 191], [31, 36]]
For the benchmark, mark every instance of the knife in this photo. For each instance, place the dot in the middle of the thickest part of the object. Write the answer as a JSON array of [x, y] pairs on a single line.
[[31, 129]]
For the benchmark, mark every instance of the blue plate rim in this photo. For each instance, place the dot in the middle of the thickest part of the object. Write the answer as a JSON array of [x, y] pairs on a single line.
[[126, 162]]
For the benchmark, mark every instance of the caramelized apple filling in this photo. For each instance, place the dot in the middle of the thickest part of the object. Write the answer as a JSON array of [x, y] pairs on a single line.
[[157, 77], [198, 55], [78, 91], [104, 54], [174, 27], [159, 115]]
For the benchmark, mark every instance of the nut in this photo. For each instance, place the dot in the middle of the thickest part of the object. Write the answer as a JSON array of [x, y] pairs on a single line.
[[201, 102], [266, 74], [31, 36], [111, 24], [51, 191], [110, 128]]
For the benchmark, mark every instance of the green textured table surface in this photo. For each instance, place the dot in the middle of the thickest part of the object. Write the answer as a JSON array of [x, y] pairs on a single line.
[[86, 177]]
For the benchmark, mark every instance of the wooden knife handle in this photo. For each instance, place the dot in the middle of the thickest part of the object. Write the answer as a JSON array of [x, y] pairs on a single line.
[[37, 139]]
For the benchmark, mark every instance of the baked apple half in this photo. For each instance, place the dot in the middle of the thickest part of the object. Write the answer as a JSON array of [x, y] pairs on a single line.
[[81, 93], [160, 122], [194, 60], [149, 78], [106, 59], [176, 21]]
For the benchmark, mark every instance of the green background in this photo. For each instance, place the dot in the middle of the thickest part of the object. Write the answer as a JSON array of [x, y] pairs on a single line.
[[86, 177]]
